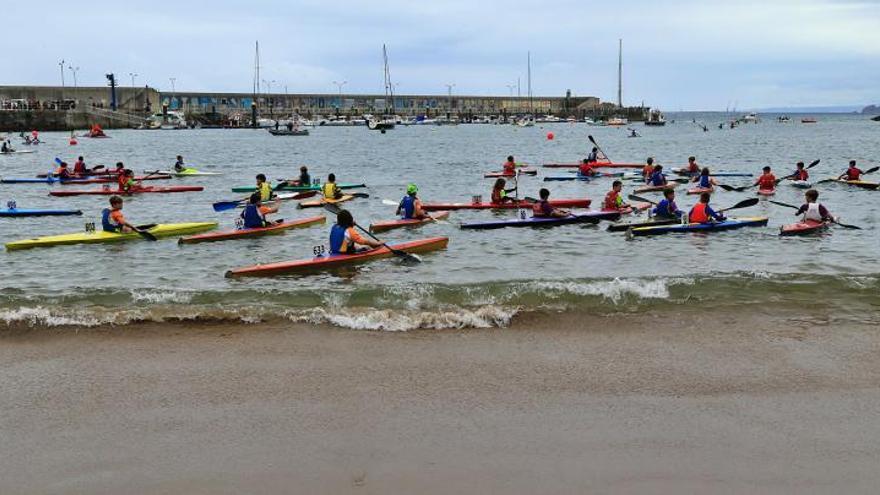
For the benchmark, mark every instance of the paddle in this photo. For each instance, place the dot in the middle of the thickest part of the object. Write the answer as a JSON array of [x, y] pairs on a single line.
[[590, 137], [640, 199], [231, 205], [742, 204], [811, 165], [731, 188], [334, 209], [142, 230], [833, 220]]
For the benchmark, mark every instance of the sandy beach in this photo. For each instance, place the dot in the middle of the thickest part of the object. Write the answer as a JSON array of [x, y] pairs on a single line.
[[557, 403]]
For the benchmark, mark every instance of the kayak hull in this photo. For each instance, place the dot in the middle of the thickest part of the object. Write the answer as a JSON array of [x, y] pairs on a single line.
[[559, 203], [312, 187], [144, 190], [411, 222], [99, 236], [277, 228], [802, 184], [859, 183], [803, 228], [701, 190], [656, 188], [67, 182], [330, 262], [589, 217], [317, 203], [595, 165], [623, 227], [37, 213], [683, 172], [733, 223], [559, 178], [766, 192], [522, 171]]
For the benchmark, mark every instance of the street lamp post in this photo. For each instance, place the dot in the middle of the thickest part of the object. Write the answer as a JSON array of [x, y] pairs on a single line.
[[73, 70], [61, 65], [510, 88], [133, 75], [172, 79], [449, 93], [339, 85]]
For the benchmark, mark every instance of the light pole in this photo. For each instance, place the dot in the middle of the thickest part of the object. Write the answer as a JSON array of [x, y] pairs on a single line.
[[339, 85], [449, 93], [510, 87], [73, 70], [172, 79], [133, 75], [61, 65]]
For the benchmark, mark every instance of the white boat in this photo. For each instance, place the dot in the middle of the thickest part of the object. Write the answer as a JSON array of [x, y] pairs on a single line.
[[750, 118], [617, 121]]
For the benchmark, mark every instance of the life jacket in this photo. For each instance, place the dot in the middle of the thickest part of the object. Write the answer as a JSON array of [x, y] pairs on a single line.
[[62, 172], [693, 168], [265, 191], [767, 182], [252, 217], [585, 169], [666, 208], [705, 182], [657, 179], [107, 223], [509, 167], [339, 243], [801, 174], [647, 171], [79, 167], [813, 212], [592, 158], [538, 209], [330, 190], [853, 173], [699, 214], [498, 195], [304, 179], [612, 200], [408, 205], [121, 180]]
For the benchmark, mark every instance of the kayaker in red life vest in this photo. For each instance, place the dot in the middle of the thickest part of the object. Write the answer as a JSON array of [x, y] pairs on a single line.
[[509, 167], [767, 181], [657, 178], [543, 208], [811, 210], [667, 208], [344, 239], [852, 173], [411, 206], [704, 180], [112, 219], [692, 167], [79, 168], [62, 172], [127, 182], [613, 200], [119, 170], [254, 214], [585, 169], [801, 173], [703, 213], [499, 194], [648, 169]]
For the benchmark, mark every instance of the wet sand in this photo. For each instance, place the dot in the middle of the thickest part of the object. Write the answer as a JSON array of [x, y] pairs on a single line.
[[739, 403]]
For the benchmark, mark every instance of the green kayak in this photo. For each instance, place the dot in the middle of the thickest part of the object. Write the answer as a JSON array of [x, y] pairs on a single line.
[[313, 187]]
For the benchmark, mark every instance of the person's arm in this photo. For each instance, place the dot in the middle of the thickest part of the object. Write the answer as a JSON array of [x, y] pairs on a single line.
[[359, 239], [826, 215], [712, 213], [801, 210]]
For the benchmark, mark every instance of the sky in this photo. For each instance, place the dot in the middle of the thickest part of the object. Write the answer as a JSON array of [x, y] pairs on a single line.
[[678, 54]]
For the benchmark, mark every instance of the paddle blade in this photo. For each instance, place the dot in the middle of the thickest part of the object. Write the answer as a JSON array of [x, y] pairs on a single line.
[[332, 208], [148, 236], [388, 202], [590, 137], [871, 170], [226, 205], [783, 204], [640, 199], [360, 195], [814, 163], [743, 204]]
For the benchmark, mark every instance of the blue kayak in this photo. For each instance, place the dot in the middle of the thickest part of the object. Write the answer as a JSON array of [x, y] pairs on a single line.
[[731, 223], [22, 212], [589, 217], [567, 177], [44, 180]]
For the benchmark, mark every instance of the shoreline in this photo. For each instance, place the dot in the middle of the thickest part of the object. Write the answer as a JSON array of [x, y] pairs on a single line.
[[552, 404]]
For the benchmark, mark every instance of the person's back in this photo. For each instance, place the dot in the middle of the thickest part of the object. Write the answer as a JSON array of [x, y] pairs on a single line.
[[251, 217]]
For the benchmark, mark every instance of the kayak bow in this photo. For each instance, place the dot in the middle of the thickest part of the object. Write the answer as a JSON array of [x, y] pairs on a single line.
[[276, 228]]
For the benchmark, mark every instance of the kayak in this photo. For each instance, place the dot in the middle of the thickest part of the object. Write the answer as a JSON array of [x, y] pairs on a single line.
[[588, 217], [701, 190], [656, 188], [731, 223], [621, 227], [560, 203], [803, 184], [552, 178], [94, 180], [681, 171], [21, 212], [406, 222], [801, 228], [766, 192], [859, 183], [522, 171], [101, 173], [312, 187], [276, 228], [316, 203], [190, 172], [142, 190], [100, 236], [337, 260], [630, 209], [595, 165], [17, 152]]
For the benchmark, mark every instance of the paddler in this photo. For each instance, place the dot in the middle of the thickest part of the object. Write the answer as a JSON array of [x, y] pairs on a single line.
[[667, 208], [812, 210], [613, 200], [126, 181], [692, 167], [6, 147], [657, 178], [264, 188], [648, 169], [79, 167], [852, 172], [509, 167], [593, 157], [119, 170], [499, 193], [411, 206], [62, 172], [801, 173], [543, 208], [330, 189], [179, 166], [705, 181], [344, 239], [112, 219], [585, 169], [254, 214], [703, 213], [767, 181], [304, 178]]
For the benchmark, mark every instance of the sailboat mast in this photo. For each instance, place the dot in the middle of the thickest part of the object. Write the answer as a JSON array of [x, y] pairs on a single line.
[[257, 71], [389, 88], [529, 74], [620, 73]]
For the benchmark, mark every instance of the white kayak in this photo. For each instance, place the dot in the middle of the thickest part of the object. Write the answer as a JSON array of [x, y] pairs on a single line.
[[191, 172], [803, 184], [17, 152]]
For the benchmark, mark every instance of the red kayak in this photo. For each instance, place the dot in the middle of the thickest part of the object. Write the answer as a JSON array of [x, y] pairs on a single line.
[[110, 192], [522, 171], [656, 188], [701, 190], [408, 222], [559, 203], [596, 165], [108, 180], [801, 228], [276, 228], [766, 192]]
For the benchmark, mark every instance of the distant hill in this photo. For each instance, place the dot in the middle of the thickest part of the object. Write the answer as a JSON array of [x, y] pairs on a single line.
[[871, 110]]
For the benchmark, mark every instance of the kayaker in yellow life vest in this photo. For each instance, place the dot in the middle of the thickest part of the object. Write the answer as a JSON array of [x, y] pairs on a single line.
[[264, 188], [329, 189]]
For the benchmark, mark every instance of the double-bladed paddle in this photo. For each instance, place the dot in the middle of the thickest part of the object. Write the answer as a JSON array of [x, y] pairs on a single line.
[[811, 165], [231, 205], [334, 209], [590, 137], [742, 204], [833, 220]]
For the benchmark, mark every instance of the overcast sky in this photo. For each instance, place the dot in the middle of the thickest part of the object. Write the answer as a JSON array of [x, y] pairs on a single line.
[[691, 55]]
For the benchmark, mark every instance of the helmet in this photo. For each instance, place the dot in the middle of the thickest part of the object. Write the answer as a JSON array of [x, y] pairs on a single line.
[[412, 189]]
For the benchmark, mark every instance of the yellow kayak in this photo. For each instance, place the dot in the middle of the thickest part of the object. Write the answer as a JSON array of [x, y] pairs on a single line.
[[99, 236], [315, 203]]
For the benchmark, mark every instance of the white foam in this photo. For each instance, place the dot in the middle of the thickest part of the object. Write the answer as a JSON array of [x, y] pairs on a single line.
[[159, 297], [398, 321], [614, 290], [40, 316]]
